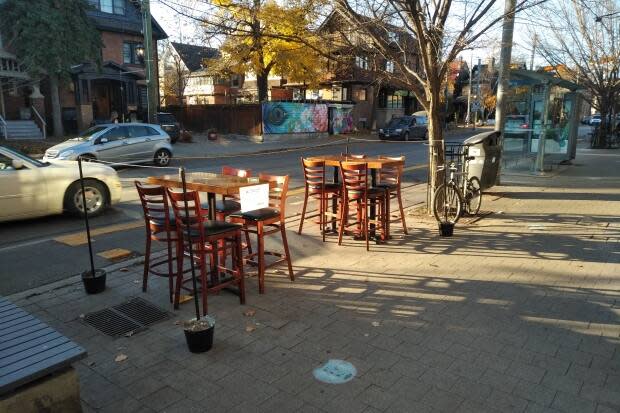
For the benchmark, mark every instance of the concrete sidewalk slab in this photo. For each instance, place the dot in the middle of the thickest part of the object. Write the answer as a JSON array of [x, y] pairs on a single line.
[[518, 311]]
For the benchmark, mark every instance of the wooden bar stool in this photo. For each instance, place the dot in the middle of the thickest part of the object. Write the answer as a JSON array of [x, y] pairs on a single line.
[[160, 227], [267, 221], [317, 188], [208, 238], [390, 178], [354, 177]]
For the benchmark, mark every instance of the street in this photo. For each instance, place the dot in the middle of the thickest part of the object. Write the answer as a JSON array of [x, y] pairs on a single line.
[[40, 251]]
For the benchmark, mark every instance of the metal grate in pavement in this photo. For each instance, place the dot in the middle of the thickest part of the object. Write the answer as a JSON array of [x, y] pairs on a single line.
[[127, 318]]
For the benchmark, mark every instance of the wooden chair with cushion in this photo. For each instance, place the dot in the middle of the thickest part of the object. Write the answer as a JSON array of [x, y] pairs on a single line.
[[267, 221], [390, 178], [207, 238]]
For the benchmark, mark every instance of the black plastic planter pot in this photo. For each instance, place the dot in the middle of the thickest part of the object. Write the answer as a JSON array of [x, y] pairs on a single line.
[[94, 284], [199, 335], [446, 229]]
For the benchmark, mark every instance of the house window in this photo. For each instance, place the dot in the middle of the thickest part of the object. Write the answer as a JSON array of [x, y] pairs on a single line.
[[361, 62], [393, 37], [235, 81], [394, 102], [389, 66], [359, 95], [110, 6], [130, 53]]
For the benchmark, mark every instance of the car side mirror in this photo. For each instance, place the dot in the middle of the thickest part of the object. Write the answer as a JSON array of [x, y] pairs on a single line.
[[103, 140], [17, 164]]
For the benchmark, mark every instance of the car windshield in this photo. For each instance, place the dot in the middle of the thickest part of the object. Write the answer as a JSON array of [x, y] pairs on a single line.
[[396, 122], [166, 118], [87, 134], [23, 157]]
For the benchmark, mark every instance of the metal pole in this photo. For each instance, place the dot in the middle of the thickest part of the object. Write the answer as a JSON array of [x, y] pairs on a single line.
[[478, 92], [151, 87], [189, 242], [471, 73], [90, 245], [504, 75]]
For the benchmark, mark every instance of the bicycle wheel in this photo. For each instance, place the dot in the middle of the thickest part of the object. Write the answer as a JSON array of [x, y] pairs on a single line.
[[448, 203], [473, 196]]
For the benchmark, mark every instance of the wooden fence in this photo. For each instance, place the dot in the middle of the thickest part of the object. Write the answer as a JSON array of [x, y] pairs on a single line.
[[243, 119]]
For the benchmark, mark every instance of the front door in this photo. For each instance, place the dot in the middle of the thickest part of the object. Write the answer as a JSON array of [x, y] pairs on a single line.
[[23, 192], [113, 145]]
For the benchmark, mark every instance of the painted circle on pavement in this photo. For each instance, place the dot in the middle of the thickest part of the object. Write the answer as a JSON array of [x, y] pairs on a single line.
[[335, 372]]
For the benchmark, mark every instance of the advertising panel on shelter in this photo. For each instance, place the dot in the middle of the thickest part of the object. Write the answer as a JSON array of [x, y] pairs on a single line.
[[291, 117]]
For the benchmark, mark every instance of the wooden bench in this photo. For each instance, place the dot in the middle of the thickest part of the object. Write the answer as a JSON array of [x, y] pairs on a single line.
[[35, 364]]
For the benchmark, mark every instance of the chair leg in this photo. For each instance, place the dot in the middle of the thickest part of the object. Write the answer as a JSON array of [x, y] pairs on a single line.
[[344, 210], [303, 212], [203, 279], [286, 251], [170, 273], [147, 259], [248, 242], [402, 212], [261, 258], [238, 261], [179, 281], [365, 224], [322, 203], [386, 217]]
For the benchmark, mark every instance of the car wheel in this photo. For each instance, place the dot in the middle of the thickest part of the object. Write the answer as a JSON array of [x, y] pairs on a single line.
[[96, 198], [162, 157], [406, 136]]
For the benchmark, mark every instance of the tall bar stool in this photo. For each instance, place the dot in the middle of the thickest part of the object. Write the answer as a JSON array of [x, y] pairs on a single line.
[[390, 178], [354, 177], [267, 221], [160, 227], [207, 238], [317, 188]]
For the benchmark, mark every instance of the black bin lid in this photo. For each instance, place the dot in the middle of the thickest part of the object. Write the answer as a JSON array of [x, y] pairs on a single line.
[[481, 137]]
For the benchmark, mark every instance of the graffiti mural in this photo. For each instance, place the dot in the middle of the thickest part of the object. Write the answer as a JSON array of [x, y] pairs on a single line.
[[290, 117], [341, 118]]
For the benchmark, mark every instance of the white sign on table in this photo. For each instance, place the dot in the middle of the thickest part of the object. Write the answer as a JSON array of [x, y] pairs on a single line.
[[254, 197]]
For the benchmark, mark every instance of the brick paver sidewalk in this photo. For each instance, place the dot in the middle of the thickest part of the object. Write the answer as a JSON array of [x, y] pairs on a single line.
[[517, 312]]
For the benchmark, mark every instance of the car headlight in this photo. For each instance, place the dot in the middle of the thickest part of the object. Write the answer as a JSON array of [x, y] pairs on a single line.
[[380, 130], [66, 155], [398, 130]]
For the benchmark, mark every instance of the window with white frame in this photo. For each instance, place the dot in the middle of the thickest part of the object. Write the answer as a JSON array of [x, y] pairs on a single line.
[[109, 6], [389, 66], [393, 37], [361, 62]]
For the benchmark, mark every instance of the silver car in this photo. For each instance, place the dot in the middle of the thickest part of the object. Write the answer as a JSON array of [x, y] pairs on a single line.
[[118, 144]]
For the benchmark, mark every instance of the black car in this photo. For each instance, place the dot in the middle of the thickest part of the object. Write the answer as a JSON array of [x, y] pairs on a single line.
[[403, 128], [169, 124]]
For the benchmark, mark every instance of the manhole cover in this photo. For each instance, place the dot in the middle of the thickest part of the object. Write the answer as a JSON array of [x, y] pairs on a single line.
[[129, 317], [335, 372]]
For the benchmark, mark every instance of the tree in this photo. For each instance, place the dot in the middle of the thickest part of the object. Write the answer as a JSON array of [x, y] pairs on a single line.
[[441, 30], [175, 75], [263, 37], [48, 36], [580, 40]]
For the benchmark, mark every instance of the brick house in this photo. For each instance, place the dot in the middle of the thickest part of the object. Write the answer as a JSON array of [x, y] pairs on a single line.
[[94, 93]]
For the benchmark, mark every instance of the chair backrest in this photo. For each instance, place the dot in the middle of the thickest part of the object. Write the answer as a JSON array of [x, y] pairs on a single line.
[[353, 155], [154, 203], [391, 173], [277, 194], [192, 219], [241, 173], [314, 175], [354, 176]]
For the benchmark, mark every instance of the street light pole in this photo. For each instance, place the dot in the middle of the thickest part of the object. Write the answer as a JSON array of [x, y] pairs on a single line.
[[471, 73], [151, 86]]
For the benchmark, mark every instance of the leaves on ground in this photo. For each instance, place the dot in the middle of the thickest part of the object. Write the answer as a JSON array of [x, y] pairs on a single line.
[[249, 313], [120, 358]]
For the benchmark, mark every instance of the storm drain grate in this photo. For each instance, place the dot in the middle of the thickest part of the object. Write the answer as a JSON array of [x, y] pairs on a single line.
[[126, 318]]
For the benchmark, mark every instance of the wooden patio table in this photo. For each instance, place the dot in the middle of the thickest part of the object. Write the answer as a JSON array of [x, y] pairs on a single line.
[[373, 162], [211, 183]]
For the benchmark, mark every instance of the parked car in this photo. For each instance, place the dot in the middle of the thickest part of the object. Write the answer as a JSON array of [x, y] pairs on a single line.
[[31, 188], [117, 143], [403, 128], [169, 124], [421, 117], [516, 123], [586, 119], [595, 120]]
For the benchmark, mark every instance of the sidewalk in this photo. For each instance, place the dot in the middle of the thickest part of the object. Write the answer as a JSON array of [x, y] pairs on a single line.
[[519, 311]]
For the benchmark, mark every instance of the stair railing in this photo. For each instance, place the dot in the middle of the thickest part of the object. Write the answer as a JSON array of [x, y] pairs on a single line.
[[43, 124], [3, 127]]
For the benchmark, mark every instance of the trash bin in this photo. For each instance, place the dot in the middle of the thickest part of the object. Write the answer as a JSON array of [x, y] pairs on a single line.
[[485, 153]]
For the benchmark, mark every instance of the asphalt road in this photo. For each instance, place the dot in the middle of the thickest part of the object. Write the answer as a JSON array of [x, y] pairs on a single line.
[[40, 251]]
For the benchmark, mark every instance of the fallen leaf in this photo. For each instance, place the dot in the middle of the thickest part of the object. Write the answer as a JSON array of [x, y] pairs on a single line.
[[249, 313], [129, 333], [366, 334], [178, 322], [249, 329], [136, 281], [124, 270], [375, 324], [81, 315], [278, 272], [120, 358]]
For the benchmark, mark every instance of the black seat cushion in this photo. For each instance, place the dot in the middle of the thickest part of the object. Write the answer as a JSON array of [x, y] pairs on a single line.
[[214, 227], [329, 187], [391, 187], [227, 206], [258, 214], [372, 192], [160, 221]]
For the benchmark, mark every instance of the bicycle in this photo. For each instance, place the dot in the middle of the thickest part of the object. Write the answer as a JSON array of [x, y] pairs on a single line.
[[453, 199]]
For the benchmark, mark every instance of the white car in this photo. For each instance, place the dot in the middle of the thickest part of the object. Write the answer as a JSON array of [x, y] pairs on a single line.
[[31, 188]]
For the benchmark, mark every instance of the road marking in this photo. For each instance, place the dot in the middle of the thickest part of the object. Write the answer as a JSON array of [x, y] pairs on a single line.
[[115, 254], [79, 238]]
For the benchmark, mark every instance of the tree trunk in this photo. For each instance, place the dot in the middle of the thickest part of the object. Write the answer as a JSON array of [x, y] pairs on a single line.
[[601, 137], [56, 110], [262, 84], [436, 153]]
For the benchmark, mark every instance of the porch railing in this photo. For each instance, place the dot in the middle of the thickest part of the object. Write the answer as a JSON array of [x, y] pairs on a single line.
[[3, 127], [43, 124]]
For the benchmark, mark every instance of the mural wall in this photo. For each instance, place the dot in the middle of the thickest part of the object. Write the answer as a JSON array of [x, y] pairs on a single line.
[[341, 118], [290, 117]]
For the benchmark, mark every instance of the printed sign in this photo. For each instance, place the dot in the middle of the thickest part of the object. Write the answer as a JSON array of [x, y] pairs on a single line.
[[474, 151], [335, 372], [254, 197]]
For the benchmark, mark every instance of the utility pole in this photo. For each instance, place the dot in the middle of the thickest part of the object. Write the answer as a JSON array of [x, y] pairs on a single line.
[[479, 74], [534, 44], [504, 73], [471, 73], [151, 85]]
